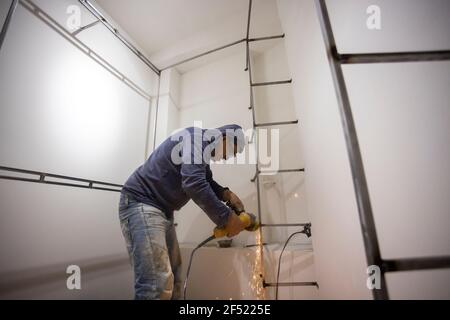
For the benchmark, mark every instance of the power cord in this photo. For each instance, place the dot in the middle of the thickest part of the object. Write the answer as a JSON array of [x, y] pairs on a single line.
[[190, 263], [307, 231], [279, 261]]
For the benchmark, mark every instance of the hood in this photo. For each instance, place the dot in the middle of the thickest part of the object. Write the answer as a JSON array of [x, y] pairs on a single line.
[[234, 131]]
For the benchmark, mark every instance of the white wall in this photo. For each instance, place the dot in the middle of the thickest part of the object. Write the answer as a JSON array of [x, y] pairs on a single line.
[[283, 195], [168, 106], [402, 120], [63, 112]]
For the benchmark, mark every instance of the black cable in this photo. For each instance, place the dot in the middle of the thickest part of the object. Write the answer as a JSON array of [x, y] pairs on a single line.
[[190, 262], [279, 260]]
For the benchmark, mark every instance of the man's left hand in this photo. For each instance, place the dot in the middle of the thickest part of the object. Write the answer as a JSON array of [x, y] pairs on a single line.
[[234, 201]]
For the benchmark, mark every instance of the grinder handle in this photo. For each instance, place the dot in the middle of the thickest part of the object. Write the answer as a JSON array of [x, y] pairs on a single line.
[[245, 219]]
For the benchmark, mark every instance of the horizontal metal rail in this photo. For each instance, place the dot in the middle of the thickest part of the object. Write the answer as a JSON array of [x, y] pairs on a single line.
[[43, 175], [256, 245], [410, 264], [271, 83], [266, 38], [291, 284], [389, 57], [306, 227], [204, 54], [270, 124], [257, 173], [92, 9], [289, 170], [285, 224]]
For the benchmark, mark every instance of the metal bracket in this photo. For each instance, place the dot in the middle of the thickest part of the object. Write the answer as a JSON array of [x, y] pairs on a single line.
[[90, 25], [257, 173], [281, 123], [307, 230], [291, 284], [271, 83]]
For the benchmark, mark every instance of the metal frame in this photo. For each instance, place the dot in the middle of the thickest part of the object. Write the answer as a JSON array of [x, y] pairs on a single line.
[[71, 38], [306, 226], [281, 36], [7, 22], [43, 16], [90, 25], [389, 57], [271, 83], [285, 224], [373, 254], [275, 172], [91, 184], [204, 54], [409, 264], [92, 9], [281, 123], [258, 192], [336, 60], [156, 114], [291, 284]]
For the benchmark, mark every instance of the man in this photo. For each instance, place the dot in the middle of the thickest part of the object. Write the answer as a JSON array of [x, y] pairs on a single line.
[[177, 171]]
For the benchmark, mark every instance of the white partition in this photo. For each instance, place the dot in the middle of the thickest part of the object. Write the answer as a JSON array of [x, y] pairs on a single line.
[[63, 112], [401, 113]]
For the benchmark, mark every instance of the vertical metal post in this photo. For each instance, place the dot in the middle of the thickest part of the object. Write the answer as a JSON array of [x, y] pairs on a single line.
[[147, 132], [156, 113], [258, 193], [373, 255], [249, 69], [247, 37], [5, 27]]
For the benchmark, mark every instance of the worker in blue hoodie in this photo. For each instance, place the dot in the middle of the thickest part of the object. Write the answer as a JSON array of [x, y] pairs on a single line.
[[177, 171]]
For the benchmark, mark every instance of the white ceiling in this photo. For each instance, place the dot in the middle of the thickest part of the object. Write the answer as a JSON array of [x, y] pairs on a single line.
[[172, 30], [156, 24]]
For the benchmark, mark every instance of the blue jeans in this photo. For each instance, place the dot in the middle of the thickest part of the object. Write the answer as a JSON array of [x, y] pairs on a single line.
[[153, 249]]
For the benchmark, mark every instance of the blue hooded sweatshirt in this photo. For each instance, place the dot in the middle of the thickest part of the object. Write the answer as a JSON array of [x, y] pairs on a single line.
[[178, 170]]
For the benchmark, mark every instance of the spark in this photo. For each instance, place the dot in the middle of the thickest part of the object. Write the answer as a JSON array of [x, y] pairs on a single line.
[[257, 280]]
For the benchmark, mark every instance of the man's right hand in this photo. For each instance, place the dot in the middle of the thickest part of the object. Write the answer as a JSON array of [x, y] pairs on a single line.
[[234, 225]]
